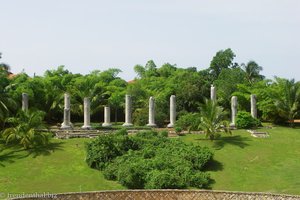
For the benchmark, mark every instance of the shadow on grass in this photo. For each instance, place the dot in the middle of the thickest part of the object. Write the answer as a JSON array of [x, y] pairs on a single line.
[[236, 140], [11, 157], [213, 165], [14, 153], [45, 150]]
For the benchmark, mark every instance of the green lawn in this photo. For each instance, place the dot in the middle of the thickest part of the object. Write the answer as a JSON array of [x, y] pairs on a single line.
[[245, 163], [60, 169], [242, 163]]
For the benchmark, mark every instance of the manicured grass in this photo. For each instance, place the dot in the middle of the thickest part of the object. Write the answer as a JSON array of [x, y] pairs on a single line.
[[245, 163], [61, 168], [242, 163]]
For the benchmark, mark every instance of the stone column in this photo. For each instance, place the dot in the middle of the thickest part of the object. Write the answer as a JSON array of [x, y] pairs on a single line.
[[67, 113], [234, 105], [253, 106], [213, 94], [25, 102], [87, 116], [106, 117], [151, 121], [128, 109], [172, 111]]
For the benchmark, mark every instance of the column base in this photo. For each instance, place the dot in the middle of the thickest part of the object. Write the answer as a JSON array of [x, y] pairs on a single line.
[[170, 126], [66, 127], [106, 125], [86, 127], [232, 126], [127, 124], [151, 125]]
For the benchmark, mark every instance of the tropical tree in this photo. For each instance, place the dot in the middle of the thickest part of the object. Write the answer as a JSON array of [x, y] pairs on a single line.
[[5, 100], [212, 120], [252, 70], [222, 60], [227, 84], [3, 108], [3, 66], [3, 97], [25, 131], [287, 100], [116, 91]]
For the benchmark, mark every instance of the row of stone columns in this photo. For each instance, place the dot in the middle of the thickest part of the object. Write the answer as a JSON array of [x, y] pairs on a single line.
[[87, 114], [234, 104], [128, 110], [128, 113]]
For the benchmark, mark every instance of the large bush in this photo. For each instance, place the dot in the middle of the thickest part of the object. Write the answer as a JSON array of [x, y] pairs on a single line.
[[151, 161], [189, 121], [245, 120], [105, 148]]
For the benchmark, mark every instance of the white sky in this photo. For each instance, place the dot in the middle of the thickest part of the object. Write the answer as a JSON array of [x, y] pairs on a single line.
[[95, 34]]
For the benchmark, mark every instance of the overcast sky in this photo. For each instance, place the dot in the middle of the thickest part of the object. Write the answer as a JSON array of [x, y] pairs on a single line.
[[94, 34]]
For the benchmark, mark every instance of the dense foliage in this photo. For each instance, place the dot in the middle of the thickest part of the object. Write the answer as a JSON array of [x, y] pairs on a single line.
[[278, 99], [25, 129], [212, 120], [245, 120], [189, 121], [149, 160]]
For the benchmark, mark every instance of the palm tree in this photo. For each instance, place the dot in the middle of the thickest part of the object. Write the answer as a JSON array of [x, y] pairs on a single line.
[[24, 130], [287, 99], [3, 66], [3, 109], [252, 70], [6, 102], [212, 119]]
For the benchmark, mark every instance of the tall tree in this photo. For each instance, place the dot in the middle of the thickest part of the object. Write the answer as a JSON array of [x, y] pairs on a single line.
[[6, 101], [252, 70], [287, 100], [3, 66], [222, 60], [227, 84]]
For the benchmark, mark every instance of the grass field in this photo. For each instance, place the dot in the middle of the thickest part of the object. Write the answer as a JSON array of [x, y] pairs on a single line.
[[245, 163], [61, 168], [241, 163]]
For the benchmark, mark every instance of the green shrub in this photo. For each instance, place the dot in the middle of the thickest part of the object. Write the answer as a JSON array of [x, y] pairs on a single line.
[[189, 122], [140, 116], [132, 176], [150, 160], [198, 156], [199, 180], [160, 118], [100, 151], [105, 148], [165, 179], [178, 130], [147, 134], [164, 133], [245, 120], [122, 131]]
